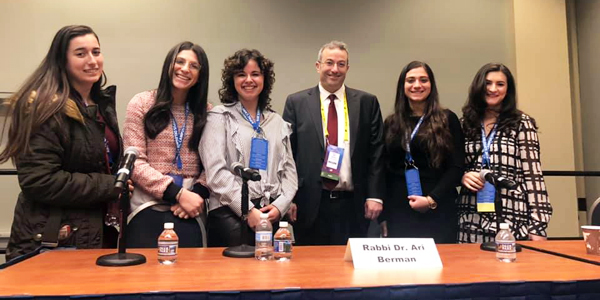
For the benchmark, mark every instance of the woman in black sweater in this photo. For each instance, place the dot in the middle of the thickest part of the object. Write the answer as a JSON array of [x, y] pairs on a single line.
[[424, 146]]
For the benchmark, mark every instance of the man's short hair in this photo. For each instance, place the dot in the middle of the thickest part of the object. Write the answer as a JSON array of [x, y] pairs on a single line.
[[333, 45]]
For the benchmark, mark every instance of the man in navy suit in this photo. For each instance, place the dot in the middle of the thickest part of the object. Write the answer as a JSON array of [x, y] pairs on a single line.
[[342, 127]]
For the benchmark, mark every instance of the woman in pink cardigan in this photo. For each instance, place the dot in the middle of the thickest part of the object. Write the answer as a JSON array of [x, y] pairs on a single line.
[[165, 125]]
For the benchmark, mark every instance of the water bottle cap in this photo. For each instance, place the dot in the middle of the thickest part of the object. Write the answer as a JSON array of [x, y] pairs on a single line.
[[168, 225], [264, 216], [283, 224], [503, 226]]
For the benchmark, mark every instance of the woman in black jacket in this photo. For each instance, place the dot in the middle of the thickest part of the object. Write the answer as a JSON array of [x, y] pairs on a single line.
[[64, 140]]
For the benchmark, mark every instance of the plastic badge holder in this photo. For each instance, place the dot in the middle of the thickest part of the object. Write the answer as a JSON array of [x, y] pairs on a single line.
[[413, 182]]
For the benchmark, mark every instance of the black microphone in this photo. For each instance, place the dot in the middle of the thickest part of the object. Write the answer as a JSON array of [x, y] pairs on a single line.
[[126, 167], [246, 173], [497, 180]]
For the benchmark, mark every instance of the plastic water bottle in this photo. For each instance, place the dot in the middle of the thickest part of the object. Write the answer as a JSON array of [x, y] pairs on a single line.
[[263, 249], [506, 245], [282, 243], [168, 242]]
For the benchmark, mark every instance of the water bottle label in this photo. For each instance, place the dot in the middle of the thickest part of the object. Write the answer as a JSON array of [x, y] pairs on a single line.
[[167, 248], [506, 247], [263, 236], [283, 246]]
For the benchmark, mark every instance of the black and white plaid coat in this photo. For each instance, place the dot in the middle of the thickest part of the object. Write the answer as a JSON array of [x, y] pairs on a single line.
[[515, 154]]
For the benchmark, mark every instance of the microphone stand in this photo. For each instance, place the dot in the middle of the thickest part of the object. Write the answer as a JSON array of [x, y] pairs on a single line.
[[243, 250], [491, 246], [122, 258]]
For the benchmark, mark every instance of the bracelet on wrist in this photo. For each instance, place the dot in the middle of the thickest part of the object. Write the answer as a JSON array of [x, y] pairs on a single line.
[[432, 203]]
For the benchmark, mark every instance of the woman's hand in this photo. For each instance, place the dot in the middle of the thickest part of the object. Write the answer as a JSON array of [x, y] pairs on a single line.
[[472, 181], [191, 202], [129, 187], [273, 212], [253, 218], [292, 213], [419, 203], [179, 212]]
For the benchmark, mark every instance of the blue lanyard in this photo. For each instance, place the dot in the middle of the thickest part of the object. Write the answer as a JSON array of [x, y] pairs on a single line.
[[409, 158], [248, 117], [486, 143], [178, 136]]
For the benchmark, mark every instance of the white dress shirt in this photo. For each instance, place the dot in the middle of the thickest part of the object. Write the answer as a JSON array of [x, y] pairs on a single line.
[[345, 183]]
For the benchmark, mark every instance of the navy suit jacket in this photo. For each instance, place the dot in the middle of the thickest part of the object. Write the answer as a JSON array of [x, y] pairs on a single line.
[[303, 111]]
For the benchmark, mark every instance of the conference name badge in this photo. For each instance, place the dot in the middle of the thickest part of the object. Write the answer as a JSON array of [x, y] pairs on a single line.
[[177, 179], [393, 253], [332, 165], [259, 154], [485, 198], [413, 182]]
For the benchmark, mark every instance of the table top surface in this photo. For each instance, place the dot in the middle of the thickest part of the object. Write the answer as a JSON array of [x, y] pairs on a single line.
[[74, 272], [572, 248]]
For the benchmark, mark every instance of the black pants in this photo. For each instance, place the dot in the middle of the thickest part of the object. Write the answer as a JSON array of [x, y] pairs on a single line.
[[335, 223], [224, 229], [145, 228]]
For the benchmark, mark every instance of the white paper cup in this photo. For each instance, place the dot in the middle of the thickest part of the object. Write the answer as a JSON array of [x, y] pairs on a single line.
[[591, 235]]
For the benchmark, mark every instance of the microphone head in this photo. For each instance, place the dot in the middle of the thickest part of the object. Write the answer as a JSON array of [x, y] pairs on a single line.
[[132, 150], [483, 173]]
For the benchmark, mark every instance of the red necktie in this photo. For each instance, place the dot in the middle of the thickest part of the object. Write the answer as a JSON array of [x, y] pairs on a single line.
[[332, 137], [332, 121]]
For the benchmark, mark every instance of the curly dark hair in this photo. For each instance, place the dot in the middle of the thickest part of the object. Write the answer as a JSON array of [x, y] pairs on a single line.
[[474, 109], [435, 131], [235, 64]]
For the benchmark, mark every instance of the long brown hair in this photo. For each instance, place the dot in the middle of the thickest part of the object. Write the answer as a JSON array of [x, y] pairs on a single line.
[[434, 131], [474, 109], [43, 95], [159, 116]]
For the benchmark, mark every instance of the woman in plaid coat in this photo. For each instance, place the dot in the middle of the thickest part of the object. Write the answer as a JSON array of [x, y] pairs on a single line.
[[502, 139]]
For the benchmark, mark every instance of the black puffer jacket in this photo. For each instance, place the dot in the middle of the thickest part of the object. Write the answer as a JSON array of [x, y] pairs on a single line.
[[65, 174]]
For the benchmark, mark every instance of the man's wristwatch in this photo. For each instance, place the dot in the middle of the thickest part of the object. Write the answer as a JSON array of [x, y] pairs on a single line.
[[432, 203]]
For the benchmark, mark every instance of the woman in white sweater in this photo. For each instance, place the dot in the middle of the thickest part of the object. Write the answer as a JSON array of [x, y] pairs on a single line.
[[247, 131]]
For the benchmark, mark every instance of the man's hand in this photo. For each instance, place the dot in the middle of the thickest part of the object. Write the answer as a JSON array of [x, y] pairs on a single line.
[[372, 209], [384, 229]]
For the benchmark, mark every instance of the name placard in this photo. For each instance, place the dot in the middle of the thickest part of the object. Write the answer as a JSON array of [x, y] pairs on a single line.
[[392, 253]]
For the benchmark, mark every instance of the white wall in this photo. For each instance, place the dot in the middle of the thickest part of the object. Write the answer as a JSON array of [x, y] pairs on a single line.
[[544, 91], [455, 37], [588, 26]]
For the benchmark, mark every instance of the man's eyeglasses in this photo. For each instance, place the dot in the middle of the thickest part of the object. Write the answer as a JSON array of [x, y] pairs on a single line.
[[330, 63]]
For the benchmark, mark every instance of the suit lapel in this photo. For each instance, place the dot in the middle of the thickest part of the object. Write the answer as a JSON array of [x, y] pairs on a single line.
[[354, 116], [314, 110]]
